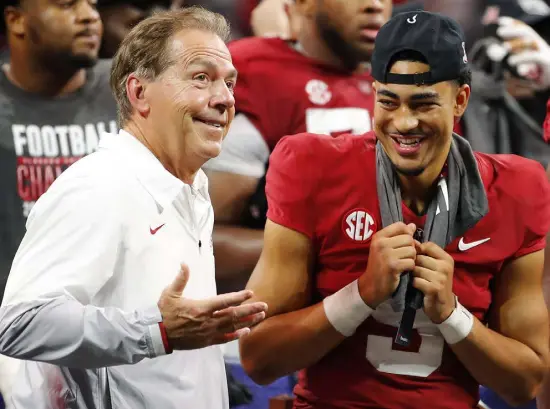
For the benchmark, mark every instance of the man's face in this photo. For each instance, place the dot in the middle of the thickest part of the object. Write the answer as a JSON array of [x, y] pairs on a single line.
[[415, 123], [191, 103], [65, 31], [349, 27]]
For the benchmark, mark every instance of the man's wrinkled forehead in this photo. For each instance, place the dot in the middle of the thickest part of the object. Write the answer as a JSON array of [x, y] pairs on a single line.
[[207, 63]]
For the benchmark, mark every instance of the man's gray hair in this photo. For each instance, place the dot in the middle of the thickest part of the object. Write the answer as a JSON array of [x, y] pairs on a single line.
[[144, 50]]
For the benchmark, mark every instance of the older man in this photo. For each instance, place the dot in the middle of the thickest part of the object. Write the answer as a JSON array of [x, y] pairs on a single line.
[[116, 269]]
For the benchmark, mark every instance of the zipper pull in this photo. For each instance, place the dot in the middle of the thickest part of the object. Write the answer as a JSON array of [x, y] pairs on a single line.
[[200, 245]]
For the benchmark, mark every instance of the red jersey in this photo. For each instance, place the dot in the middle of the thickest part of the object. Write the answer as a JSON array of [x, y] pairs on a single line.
[[333, 201], [283, 92]]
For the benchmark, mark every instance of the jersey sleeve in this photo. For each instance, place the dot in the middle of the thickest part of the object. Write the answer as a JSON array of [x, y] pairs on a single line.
[[291, 184], [534, 208]]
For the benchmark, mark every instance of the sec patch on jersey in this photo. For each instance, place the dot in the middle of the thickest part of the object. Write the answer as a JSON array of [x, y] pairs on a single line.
[[359, 225]]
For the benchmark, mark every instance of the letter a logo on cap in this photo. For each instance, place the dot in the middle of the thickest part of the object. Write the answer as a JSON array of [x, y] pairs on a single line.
[[412, 20], [464, 57]]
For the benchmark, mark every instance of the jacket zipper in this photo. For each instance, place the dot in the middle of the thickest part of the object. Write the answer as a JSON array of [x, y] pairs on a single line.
[[194, 227]]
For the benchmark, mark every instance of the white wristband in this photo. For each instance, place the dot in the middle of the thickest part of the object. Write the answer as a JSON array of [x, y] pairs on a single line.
[[458, 326], [346, 310]]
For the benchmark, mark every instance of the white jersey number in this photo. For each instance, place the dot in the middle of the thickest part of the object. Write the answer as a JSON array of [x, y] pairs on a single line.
[[422, 363], [331, 120]]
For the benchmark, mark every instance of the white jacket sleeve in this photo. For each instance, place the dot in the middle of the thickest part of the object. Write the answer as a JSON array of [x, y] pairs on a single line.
[[75, 235]]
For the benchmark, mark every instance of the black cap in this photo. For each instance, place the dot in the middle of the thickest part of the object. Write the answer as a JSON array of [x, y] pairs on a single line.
[[436, 37]]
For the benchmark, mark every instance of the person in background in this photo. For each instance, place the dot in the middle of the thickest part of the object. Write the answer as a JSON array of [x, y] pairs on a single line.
[[56, 102], [111, 300]]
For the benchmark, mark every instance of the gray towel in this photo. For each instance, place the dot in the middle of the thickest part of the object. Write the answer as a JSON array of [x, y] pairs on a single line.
[[460, 202]]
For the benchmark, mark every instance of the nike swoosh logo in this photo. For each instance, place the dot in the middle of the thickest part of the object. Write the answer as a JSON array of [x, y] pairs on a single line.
[[153, 231], [467, 246]]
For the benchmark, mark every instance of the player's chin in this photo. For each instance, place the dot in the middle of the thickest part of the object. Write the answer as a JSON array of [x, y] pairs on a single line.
[[85, 59], [406, 168], [365, 48], [406, 163]]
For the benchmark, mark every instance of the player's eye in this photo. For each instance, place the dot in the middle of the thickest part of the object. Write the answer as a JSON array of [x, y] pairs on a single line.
[[424, 106], [387, 103]]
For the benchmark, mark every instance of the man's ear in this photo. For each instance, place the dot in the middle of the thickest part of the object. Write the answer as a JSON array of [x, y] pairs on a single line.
[[14, 18], [135, 90], [461, 100]]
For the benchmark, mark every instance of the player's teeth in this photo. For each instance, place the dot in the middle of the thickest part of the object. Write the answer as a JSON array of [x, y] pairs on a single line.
[[409, 142]]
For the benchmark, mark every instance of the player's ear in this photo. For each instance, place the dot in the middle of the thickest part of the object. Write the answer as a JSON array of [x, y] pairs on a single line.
[[462, 97]]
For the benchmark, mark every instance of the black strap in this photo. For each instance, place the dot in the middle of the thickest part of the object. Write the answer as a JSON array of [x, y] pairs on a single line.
[[413, 301], [409, 79]]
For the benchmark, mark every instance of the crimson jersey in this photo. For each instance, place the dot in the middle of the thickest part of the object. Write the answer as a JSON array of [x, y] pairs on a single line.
[[283, 92], [333, 201]]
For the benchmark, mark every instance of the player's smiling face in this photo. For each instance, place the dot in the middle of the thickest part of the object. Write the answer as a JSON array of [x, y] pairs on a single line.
[[415, 123]]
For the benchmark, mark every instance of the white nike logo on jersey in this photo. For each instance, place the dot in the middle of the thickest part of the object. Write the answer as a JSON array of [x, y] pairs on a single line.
[[467, 246]]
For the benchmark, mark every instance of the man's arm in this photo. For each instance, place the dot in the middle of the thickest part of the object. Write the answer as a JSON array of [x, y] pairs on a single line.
[[67, 255], [543, 400], [294, 335], [511, 356]]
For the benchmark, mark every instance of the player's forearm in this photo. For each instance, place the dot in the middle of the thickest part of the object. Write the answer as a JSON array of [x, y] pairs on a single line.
[[510, 368], [286, 343], [237, 250], [64, 332]]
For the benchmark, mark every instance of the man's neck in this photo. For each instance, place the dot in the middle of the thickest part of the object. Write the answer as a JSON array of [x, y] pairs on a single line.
[[186, 174], [33, 77], [312, 45], [418, 191]]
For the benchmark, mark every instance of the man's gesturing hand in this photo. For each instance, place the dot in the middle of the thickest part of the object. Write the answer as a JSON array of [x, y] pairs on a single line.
[[392, 252], [192, 324]]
